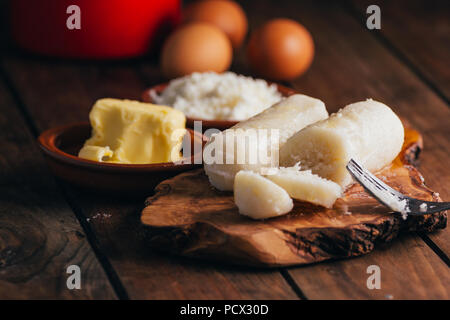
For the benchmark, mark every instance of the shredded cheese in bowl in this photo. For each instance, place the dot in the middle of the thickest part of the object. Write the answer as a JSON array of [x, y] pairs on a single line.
[[213, 96]]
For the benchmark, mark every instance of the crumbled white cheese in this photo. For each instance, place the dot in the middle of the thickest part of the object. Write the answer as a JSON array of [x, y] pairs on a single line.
[[423, 207], [225, 96]]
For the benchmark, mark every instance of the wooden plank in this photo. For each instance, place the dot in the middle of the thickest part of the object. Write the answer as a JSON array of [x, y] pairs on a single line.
[[403, 23], [420, 33], [68, 90], [388, 80], [148, 274], [325, 80], [408, 270], [38, 241], [351, 65]]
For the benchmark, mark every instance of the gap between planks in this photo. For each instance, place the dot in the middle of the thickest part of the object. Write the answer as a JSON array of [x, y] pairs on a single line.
[[114, 280], [435, 248], [111, 273], [354, 12], [288, 291], [57, 244], [283, 271]]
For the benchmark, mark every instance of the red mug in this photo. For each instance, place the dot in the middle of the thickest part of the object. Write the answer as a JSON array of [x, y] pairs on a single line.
[[92, 28]]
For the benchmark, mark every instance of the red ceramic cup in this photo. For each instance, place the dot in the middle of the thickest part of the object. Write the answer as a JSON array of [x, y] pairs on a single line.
[[109, 28]]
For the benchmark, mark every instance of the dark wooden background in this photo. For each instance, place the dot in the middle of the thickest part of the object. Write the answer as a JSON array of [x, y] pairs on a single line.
[[46, 225]]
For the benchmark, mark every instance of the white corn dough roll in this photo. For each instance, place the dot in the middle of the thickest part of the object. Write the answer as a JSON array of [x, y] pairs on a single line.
[[306, 186], [286, 117], [368, 131], [258, 197], [289, 116]]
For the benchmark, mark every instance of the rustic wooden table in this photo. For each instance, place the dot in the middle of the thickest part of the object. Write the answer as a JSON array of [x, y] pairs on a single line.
[[46, 225]]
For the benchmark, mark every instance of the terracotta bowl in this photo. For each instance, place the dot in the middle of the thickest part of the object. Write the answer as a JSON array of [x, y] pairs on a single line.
[[61, 145], [208, 124]]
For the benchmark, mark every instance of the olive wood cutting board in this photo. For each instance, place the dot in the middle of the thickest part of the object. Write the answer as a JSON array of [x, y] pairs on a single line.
[[189, 217]]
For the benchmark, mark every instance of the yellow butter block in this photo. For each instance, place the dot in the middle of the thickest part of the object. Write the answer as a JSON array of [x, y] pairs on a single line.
[[133, 132]]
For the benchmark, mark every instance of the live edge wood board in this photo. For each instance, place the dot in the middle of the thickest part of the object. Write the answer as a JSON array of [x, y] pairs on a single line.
[[189, 217]]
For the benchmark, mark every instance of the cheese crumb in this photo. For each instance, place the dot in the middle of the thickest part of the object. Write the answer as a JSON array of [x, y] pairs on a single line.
[[423, 207]]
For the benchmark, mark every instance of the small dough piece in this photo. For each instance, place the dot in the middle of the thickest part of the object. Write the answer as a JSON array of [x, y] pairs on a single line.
[[368, 131], [258, 197], [287, 117], [306, 186]]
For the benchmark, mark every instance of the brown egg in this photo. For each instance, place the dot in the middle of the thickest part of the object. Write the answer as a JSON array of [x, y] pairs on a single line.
[[196, 47], [225, 14], [282, 49]]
